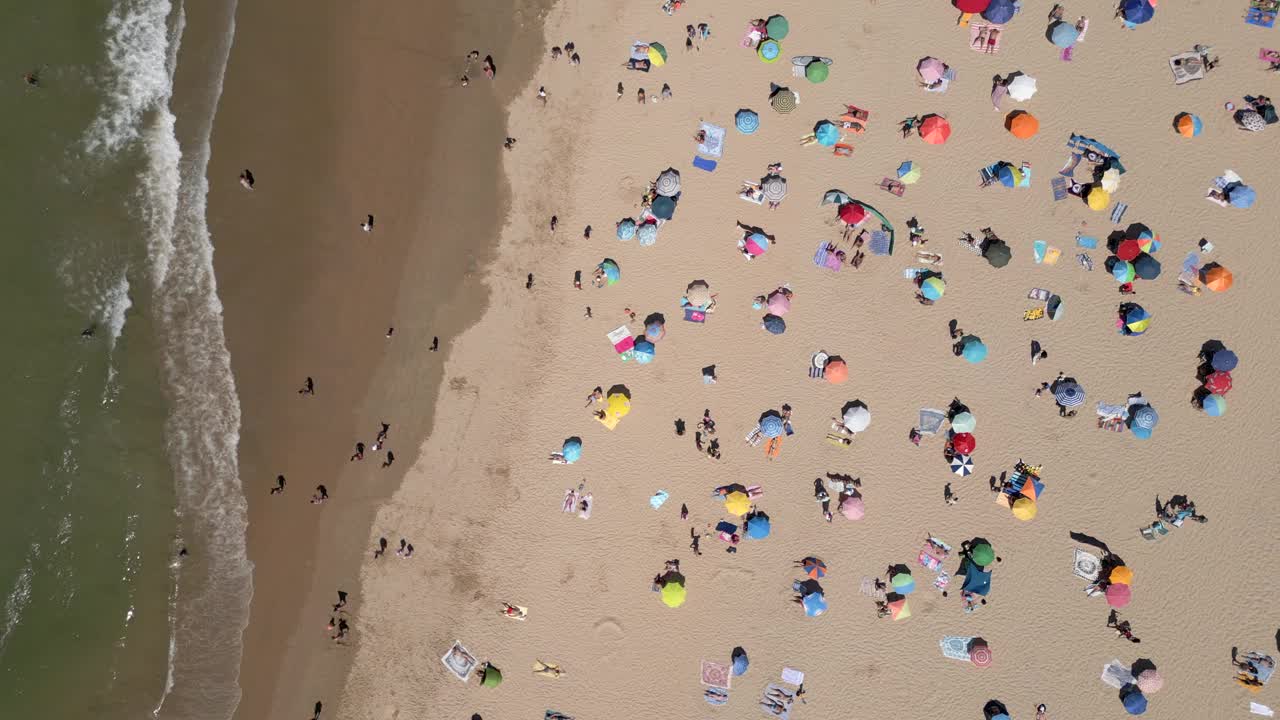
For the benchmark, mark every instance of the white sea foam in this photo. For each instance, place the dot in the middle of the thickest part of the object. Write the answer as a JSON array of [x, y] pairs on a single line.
[[138, 56], [113, 306], [19, 596]]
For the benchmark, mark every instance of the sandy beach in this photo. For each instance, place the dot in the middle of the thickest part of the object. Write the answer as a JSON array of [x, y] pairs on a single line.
[[482, 504]]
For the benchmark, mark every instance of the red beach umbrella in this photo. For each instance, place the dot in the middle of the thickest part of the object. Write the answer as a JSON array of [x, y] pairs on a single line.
[[963, 443], [1218, 382], [852, 213], [972, 6], [980, 655], [935, 130], [1128, 250]]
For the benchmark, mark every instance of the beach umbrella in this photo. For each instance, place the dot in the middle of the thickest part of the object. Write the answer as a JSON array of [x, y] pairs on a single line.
[[783, 101], [747, 121], [774, 324], [935, 129], [1150, 681], [899, 609], [1215, 406], [673, 594], [1110, 180], [663, 208], [997, 253], [668, 183], [737, 503], [856, 416], [963, 422], [853, 507], [980, 654], [909, 173], [933, 288], [758, 527], [618, 405], [1216, 277], [1022, 124], [771, 425], [973, 349], [815, 568], [1146, 267], [769, 51], [655, 331], [756, 244], [740, 661], [1119, 595], [1024, 508], [1123, 271], [930, 70], [1224, 360], [1121, 574], [612, 273], [903, 583], [826, 133], [1137, 320], [964, 444], [777, 27], [774, 188], [836, 371], [1251, 120], [1053, 307], [971, 6], [1128, 250], [1218, 382], [983, 554], [1241, 196], [1022, 87], [816, 71], [1135, 703], [962, 465], [572, 450], [999, 11], [1008, 175], [698, 294], [1069, 394], [1098, 198], [626, 229], [647, 234], [644, 351], [778, 303], [814, 604], [1137, 11], [657, 54], [838, 197], [1188, 125], [1063, 34], [852, 213], [976, 580], [490, 676]]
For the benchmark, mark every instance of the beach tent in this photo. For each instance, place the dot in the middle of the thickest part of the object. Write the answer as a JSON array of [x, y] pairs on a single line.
[[930, 70], [815, 568], [973, 349], [737, 502], [663, 207], [644, 351], [1187, 125], [934, 129], [852, 213], [814, 604], [1022, 87], [612, 273], [626, 229], [1218, 382], [1216, 277], [668, 183], [774, 324], [853, 507], [1000, 11], [572, 450], [783, 100], [826, 133], [857, 417], [816, 71], [836, 371], [771, 425], [1062, 34], [777, 27], [1224, 360], [1022, 124], [1214, 406], [774, 188], [933, 288], [1053, 307], [1146, 267], [758, 526], [673, 592], [909, 173], [747, 121], [769, 51], [963, 422], [1137, 11], [997, 253]]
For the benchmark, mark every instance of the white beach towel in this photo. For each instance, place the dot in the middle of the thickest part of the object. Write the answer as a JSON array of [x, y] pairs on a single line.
[[713, 145], [1116, 674], [792, 676], [1259, 709], [1086, 566]]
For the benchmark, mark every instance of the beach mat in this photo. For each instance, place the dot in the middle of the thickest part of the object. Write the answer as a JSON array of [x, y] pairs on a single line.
[[955, 647], [1086, 566], [459, 661], [715, 674], [713, 145], [704, 164], [694, 315]]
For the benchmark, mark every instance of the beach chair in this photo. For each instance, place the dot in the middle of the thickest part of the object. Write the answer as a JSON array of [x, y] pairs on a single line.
[[842, 150], [773, 448], [755, 437]]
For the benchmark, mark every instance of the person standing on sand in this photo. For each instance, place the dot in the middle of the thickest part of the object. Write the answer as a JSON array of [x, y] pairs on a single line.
[[588, 312], [342, 602], [322, 494], [694, 541], [391, 457], [542, 95], [246, 179], [315, 714], [577, 279], [586, 233], [620, 90], [359, 453], [528, 283], [279, 488], [640, 96], [367, 225], [555, 220], [382, 548], [435, 343], [308, 387]]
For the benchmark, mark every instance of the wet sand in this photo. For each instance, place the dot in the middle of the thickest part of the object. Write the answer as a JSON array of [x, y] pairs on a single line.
[[359, 112]]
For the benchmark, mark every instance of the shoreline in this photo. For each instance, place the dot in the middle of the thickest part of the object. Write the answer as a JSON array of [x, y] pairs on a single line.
[[317, 137]]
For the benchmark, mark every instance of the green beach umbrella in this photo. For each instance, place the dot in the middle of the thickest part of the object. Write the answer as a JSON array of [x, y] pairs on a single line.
[[673, 594], [984, 555], [490, 676], [816, 71], [777, 27], [660, 49]]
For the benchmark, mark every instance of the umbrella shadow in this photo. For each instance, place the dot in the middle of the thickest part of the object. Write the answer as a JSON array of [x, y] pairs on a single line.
[[1089, 540], [619, 390], [853, 404], [1140, 665], [1209, 348], [655, 318], [1197, 397]]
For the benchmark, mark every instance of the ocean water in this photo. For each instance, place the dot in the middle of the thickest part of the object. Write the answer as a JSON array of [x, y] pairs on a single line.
[[120, 448]]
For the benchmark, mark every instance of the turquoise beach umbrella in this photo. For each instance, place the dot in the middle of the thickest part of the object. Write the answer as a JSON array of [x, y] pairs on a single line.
[[769, 51], [1215, 406], [973, 349], [626, 229], [826, 133], [747, 121]]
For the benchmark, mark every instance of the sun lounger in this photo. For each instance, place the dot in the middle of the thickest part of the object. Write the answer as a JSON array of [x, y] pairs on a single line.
[[755, 437]]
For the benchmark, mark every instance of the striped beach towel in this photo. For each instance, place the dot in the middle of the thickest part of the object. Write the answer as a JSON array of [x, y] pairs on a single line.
[[1118, 212]]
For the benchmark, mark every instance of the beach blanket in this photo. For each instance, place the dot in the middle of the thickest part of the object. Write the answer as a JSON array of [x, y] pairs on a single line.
[[1059, 187], [1262, 13], [984, 46], [715, 674], [769, 706], [881, 243], [1086, 566], [1116, 674], [955, 647], [621, 340], [1186, 66], [459, 661], [826, 257], [713, 145], [658, 499], [695, 315]]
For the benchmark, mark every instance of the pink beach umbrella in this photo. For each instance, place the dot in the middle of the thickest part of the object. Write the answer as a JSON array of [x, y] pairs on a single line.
[[853, 508], [931, 70], [1150, 681], [1118, 595], [779, 303], [756, 244]]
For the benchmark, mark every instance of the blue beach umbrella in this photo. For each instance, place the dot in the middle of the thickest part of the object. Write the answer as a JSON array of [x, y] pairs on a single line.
[[771, 424], [1063, 34], [626, 229], [644, 352], [1137, 11], [1224, 360], [1215, 406], [1005, 175], [977, 581], [903, 583], [973, 349], [1135, 703], [654, 331], [740, 661], [747, 121], [611, 271], [769, 51], [826, 133], [572, 450], [1069, 394], [1142, 421], [999, 11], [663, 207], [1146, 267], [814, 604], [1241, 196], [774, 324], [647, 234], [1137, 320], [758, 527]]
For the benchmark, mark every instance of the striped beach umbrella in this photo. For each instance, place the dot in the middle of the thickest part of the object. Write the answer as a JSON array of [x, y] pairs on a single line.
[[668, 184], [747, 121], [774, 188], [962, 465], [1069, 394], [769, 51], [1218, 383], [1215, 406], [783, 101]]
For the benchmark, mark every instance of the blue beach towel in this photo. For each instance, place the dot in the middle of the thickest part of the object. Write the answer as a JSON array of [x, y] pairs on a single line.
[[704, 164]]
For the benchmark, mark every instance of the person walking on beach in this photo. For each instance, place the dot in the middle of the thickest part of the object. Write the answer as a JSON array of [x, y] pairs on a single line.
[[322, 494], [586, 233], [620, 90], [694, 541], [528, 283], [666, 91], [948, 496], [279, 488], [382, 434], [359, 453], [308, 387], [555, 220], [640, 96], [382, 548], [509, 143], [435, 343], [315, 714], [542, 95], [391, 457], [367, 225], [342, 602], [588, 315], [246, 179]]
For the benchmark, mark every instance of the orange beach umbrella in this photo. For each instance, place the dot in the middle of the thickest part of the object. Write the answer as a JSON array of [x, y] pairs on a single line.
[[1022, 124]]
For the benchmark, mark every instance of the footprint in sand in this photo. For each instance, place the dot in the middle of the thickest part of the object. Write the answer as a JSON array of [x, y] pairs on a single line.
[[389, 712], [567, 575], [609, 634]]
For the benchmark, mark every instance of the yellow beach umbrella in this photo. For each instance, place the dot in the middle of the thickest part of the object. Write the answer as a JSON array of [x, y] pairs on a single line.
[[737, 503], [618, 405], [673, 594], [1098, 198], [1024, 508]]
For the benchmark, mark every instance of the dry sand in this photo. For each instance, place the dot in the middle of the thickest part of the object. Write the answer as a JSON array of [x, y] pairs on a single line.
[[483, 504]]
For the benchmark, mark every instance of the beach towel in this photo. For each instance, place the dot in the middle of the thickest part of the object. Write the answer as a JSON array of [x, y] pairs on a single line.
[[930, 421], [1110, 412], [716, 696], [791, 676], [1261, 13], [1085, 241], [985, 46], [1186, 66], [1051, 255], [695, 315], [1267, 55], [658, 499], [1025, 182], [1258, 709], [459, 661], [826, 257], [621, 339], [716, 674], [713, 145], [570, 500], [955, 647], [881, 243], [768, 705], [1059, 187], [1086, 566], [1116, 674], [1118, 212], [1038, 294], [704, 164]]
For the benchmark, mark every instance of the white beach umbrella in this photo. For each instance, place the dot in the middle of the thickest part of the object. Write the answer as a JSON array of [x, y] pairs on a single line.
[[1022, 88]]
